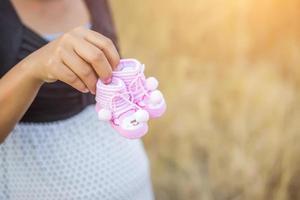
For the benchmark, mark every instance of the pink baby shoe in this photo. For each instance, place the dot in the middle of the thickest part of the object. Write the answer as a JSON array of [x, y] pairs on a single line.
[[143, 91], [114, 105]]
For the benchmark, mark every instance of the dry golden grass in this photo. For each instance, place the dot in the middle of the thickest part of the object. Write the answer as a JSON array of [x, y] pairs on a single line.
[[230, 74]]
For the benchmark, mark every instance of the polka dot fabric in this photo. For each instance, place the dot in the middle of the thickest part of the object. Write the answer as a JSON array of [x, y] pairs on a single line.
[[78, 158]]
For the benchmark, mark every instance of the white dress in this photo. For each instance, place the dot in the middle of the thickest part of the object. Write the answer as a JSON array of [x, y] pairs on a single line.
[[77, 158]]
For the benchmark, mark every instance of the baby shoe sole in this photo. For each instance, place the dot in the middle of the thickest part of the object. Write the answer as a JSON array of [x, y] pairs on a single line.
[[127, 130], [157, 111]]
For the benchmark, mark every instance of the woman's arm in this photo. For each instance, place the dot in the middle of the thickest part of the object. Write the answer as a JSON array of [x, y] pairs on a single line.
[[18, 88], [77, 58]]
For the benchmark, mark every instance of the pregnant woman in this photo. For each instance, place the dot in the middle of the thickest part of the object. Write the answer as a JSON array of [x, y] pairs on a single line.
[[52, 145]]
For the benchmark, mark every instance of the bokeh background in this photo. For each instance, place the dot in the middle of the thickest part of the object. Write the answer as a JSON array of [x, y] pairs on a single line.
[[230, 73]]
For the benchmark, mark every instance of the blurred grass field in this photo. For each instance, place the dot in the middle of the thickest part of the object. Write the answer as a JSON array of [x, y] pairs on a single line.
[[230, 74]]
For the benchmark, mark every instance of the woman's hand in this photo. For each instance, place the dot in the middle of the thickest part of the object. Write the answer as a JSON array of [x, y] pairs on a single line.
[[77, 58]]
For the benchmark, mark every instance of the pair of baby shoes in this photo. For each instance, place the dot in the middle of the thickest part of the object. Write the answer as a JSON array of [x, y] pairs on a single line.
[[129, 100]]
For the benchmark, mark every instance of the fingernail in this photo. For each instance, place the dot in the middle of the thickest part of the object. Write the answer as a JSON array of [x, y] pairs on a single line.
[[85, 90], [107, 81]]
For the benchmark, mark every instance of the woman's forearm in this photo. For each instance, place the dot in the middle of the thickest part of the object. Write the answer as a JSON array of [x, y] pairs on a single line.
[[18, 88]]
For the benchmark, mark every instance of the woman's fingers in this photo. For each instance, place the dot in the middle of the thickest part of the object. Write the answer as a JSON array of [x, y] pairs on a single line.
[[64, 74], [81, 68], [83, 56], [95, 57], [103, 43], [106, 45]]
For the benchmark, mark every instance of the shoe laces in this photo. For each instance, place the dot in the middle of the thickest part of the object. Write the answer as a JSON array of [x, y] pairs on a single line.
[[119, 103], [136, 86]]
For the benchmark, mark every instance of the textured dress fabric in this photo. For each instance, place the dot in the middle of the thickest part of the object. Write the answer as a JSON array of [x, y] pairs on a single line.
[[77, 158]]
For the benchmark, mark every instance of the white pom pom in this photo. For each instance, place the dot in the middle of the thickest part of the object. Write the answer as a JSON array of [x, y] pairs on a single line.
[[156, 97], [151, 83], [104, 115], [141, 116]]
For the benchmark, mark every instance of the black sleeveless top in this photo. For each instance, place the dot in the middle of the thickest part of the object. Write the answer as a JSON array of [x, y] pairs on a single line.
[[54, 101]]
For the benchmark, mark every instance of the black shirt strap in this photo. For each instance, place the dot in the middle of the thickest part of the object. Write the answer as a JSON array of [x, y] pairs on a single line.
[[10, 36]]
